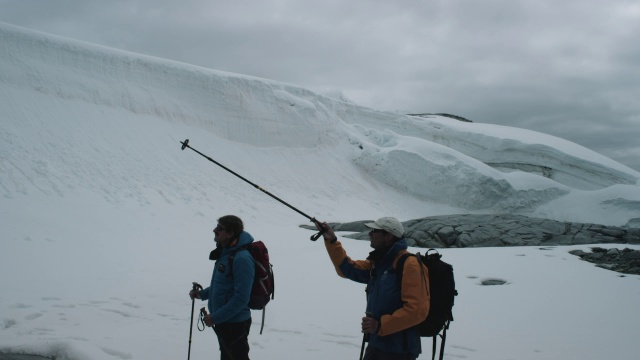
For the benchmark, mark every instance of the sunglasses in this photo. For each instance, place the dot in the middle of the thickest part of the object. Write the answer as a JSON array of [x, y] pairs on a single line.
[[219, 228], [377, 231]]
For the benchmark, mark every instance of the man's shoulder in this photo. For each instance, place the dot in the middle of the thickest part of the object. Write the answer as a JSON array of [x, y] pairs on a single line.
[[242, 254], [242, 251], [405, 258]]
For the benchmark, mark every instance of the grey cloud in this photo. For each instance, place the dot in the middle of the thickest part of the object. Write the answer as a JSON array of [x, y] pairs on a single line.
[[565, 68]]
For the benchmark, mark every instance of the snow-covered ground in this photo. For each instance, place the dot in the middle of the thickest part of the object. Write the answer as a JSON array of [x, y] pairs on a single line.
[[105, 222]]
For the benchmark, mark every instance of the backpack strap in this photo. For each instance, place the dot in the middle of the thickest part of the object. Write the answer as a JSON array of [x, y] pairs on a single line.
[[403, 259], [262, 324], [245, 247], [444, 338], [400, 263], [433, 349]]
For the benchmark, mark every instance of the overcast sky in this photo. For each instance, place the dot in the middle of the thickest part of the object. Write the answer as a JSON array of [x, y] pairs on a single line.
[[569, 68]]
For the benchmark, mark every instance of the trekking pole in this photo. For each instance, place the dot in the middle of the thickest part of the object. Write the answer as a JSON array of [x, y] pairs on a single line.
[[223, 346], [364, 340], [364, 337], [185, 144], [196, 287]]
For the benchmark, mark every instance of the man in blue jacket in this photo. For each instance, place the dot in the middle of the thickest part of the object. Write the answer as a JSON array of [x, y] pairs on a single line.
[[228, 294]]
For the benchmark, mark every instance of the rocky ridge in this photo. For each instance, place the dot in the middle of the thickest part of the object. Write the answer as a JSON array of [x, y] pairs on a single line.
[[458, 231], [468, 230], [626, 261]]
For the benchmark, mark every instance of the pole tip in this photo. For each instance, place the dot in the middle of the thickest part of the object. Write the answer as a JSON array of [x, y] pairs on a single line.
[[184, 143]]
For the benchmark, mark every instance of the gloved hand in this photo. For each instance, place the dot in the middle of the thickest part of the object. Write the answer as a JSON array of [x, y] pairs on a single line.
[[370, 325], [327, 231]]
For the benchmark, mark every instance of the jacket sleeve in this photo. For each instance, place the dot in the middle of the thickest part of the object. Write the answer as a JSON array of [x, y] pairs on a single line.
[[243, 274], [204, 294], [415, 296], [358, 270]]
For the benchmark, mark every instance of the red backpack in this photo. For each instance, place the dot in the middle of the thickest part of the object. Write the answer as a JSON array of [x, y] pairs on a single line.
[[263, 287]]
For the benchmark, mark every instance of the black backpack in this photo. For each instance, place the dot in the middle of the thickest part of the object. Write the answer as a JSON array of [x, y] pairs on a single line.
[[443, 291]]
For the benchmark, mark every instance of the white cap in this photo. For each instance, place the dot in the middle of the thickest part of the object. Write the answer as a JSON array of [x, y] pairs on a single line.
[[388, 224]]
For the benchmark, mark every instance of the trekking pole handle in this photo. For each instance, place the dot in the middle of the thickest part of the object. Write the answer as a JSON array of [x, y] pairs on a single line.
[[315, 237], [203, 313], [196, 289], [225, 348]]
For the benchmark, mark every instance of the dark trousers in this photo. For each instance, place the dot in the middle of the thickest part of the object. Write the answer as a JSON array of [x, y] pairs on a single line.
[[233, 340], [376, 354]]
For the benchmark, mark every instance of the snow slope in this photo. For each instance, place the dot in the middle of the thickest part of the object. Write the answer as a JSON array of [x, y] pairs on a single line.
[[436, 160], [105, 222]]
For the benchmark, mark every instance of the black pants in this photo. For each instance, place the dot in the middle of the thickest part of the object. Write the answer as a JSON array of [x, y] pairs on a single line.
[[372, 353], [233, 340]]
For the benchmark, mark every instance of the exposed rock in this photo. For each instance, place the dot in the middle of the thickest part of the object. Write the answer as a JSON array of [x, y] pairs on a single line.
[[428, 115], [515, 230], [498, 230], [626, 261], [493, 282]]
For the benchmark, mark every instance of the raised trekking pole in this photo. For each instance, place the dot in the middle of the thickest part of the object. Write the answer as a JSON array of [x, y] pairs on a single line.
[[185, 144], [196, 287]]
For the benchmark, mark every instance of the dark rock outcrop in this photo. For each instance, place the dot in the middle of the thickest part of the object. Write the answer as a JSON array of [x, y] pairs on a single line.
[[427, 115], [515, 230], [626, 261], [498, 230]]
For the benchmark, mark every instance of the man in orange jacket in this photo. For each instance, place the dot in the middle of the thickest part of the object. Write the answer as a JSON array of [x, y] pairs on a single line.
[[395, 304]]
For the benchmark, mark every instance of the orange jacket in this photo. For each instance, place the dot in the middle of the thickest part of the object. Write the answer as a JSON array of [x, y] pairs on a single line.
[[414, 288]]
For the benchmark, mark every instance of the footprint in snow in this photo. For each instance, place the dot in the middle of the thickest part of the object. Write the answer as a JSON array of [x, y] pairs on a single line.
[[21, 306], [33, 316], [116, 353]]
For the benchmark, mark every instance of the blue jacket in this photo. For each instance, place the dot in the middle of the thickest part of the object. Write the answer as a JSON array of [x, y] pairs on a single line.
[[398, 304], [229, 293]]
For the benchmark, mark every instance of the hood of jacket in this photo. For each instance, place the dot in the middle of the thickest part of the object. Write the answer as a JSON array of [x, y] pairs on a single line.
[[244, 239], [386, 256]]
